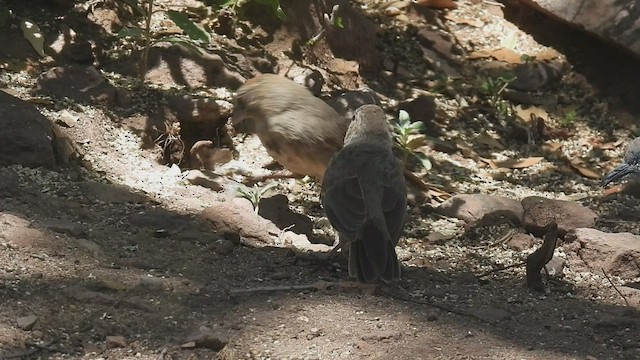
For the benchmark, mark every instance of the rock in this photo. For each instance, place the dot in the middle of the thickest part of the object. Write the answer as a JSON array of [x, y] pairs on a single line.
[[9, 183], [237, 216], [345, 103], [381, 335], [312, 79], [26, 136], [276, 208], [78, 82], [555, 266], [314, 333], [539, 212], [200, 110], [618, 253], [111, 193], [421, 108], [520, 242], [27, 322], [224, 246], [536, 75], [17, 232], [205, 155], [115, 342], [613, 20], [207, 338], [488, 209], [206, 179]]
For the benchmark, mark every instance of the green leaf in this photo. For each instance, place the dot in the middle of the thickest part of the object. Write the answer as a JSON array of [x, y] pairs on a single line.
[[418, 126], [184, 42], [190, 28], [129, 32], [403, 117], [424, 160], [338, 23]]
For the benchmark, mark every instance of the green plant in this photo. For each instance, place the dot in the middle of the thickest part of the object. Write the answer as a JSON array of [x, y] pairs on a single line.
[[527, 58], [196, 36], [568, 119], [233, 5], [493, 89], [408, 138], [255, 193]]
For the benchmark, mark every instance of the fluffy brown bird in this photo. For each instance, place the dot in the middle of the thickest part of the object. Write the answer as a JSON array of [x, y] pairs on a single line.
[[365, 197], [299, 131]]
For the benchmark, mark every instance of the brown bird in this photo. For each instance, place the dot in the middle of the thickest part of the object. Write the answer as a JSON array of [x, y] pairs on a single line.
[[299, 131], [365, 197]]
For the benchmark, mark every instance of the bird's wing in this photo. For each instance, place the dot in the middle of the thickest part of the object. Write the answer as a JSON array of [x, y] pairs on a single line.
[[394, 201], [342, 199]]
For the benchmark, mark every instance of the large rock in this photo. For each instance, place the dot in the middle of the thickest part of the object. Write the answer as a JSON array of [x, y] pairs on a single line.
[[540, 212], [617, 254], [487, 209], [25, 134], [614, 20]]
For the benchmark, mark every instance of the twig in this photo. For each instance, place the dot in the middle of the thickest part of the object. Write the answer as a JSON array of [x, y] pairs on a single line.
[[315, 286], [503, 239], [615, 287], [501, 269], [494, 3]]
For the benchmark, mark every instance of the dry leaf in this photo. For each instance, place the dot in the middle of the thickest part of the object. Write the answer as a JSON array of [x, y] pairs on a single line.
[[458, 20], [437, 4], [502, 54], [525, 114], [584, 171], [547, 55], [551, 147], [518, 163], [32, 33], [490, 141]]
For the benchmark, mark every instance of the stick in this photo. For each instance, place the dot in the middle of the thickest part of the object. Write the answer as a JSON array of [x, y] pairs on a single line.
[[615, 287]]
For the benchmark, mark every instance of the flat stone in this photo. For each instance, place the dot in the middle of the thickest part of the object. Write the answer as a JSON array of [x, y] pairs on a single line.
[[488, 209], [540, 212]]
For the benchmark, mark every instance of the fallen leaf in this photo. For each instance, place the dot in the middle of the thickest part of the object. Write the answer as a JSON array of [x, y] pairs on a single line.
[[509, 42], [547, 55], [458, 20], [32, 33], [518, 163], [551, 146], [584, 171], [525, 114], [490, 141], [502, 54]]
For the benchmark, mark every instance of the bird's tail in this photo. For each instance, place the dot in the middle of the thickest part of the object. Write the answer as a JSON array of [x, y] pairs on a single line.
[[374, 256]]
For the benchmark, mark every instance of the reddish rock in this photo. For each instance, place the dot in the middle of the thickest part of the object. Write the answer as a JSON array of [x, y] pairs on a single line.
[[26, 137], [539, 212], [488, 209], [617, 253]]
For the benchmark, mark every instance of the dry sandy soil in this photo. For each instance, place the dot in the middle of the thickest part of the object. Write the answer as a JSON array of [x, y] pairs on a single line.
[[117, 259]]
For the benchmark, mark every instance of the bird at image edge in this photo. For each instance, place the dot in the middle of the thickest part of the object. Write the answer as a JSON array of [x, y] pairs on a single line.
[[630, 164]]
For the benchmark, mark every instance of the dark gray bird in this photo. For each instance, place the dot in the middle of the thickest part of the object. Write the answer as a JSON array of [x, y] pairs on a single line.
[[630, 164], [365, 197]]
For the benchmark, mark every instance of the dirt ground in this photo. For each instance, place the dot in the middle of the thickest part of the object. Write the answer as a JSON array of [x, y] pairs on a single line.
[[117, 260]]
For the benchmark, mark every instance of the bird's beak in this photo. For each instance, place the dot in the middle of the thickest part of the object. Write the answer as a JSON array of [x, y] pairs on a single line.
[[618, 173]]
